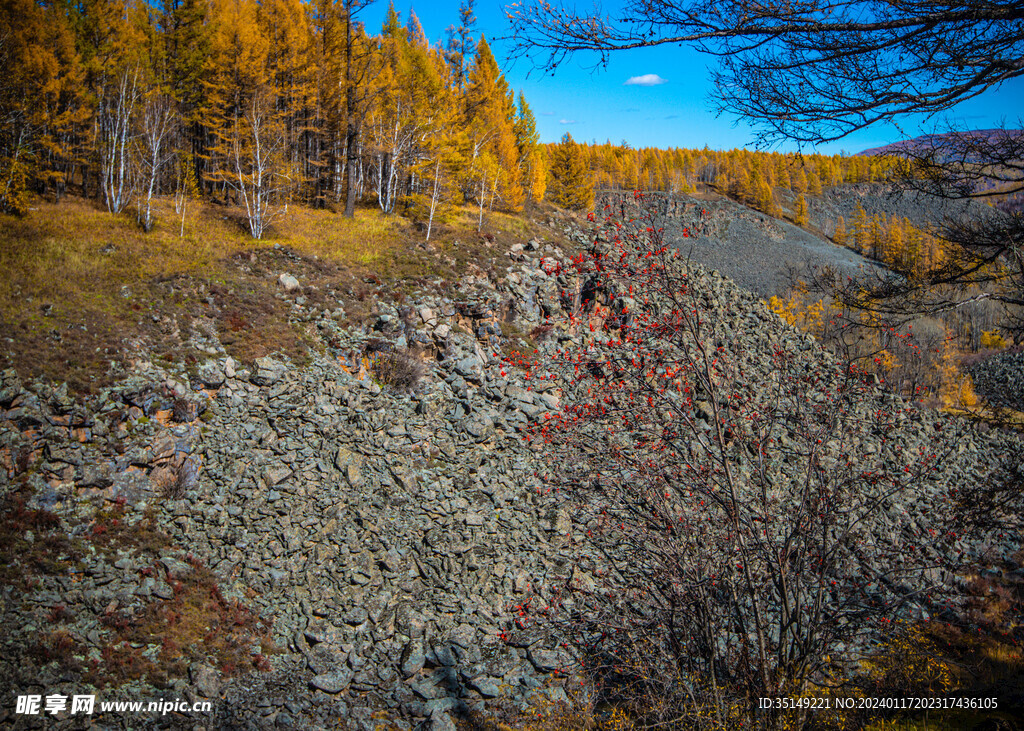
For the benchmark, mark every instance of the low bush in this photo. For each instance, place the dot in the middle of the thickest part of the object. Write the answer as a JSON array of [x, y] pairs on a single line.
[[400, 370]]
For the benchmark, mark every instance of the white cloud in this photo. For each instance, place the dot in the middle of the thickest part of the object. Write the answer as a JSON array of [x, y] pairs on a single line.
[[645, 80], [567, 121]]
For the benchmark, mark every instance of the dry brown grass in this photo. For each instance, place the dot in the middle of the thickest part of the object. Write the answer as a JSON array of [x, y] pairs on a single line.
[[78, 283], [198, 623]]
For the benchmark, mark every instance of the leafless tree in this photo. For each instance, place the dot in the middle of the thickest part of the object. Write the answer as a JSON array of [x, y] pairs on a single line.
[[746, 512], [115, 118], [816, 71], [257, 144], [811, 71], [152, 151]]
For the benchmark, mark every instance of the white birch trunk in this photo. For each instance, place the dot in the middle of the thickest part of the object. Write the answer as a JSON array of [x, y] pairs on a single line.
[[115, 120], [433, 198]]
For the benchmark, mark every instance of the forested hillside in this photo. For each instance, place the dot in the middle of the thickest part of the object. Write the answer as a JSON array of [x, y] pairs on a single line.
[[266, 104], [255, 103]]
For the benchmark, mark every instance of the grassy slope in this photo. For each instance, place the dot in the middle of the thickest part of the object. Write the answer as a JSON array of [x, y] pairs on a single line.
[[82, 288]]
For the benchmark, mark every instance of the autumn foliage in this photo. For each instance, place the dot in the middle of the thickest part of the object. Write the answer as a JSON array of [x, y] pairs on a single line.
[[261, 103], [267, 104]]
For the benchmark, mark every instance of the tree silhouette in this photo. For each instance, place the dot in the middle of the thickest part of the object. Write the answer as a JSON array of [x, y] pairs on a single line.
[[815, 72]]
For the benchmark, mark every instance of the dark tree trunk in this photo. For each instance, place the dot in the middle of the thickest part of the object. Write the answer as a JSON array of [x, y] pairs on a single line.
[[351, 126]]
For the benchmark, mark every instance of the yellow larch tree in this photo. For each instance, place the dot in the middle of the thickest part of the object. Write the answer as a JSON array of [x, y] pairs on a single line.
[[490, 123]]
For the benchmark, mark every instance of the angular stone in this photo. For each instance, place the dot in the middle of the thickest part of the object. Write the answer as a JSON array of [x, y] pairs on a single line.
[[440, 720], [162, 447], [205, 679], [289, 283], [480, 427], [276, 474], [412, 658], [405, 479], [321, 631], [487, 687], [334, 681], [174, 567], [470, 368], [268, 371], [96, 476], [531, 410], [325, 658], [342, 458], [212, 375], [547, 661], [355, 616]]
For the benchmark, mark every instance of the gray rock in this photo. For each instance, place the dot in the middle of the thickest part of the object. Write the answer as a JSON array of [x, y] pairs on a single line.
[[96, 475], [268, 371], [547, 661], [212, 375], [174, 567], [205, 679], [413, 658], [288, 282], [440, 720], [485, 686], [354, 475], [276, 474], [480, 427], [334, 681], [470, 368]]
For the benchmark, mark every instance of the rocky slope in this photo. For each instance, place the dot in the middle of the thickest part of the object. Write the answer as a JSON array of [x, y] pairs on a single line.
[[356, 548], [758, 252], [1000, 378], [766, 254]]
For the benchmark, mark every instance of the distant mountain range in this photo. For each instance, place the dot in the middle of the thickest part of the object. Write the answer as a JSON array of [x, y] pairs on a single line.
[[925, 142], [974, 146]]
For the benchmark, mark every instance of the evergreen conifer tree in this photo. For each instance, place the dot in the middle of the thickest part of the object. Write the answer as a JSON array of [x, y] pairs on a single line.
[[570, 186]]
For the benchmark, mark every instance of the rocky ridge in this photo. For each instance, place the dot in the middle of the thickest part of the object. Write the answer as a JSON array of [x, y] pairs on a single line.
[[382, 536]]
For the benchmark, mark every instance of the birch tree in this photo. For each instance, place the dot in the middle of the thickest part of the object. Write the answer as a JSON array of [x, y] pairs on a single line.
[[258, 179], [152, 153], [114, 121]]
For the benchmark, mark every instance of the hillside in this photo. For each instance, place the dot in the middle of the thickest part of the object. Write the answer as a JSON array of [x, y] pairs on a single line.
[[989, 158], [298, 537], [759, 252], [936, 141], [765, 254]]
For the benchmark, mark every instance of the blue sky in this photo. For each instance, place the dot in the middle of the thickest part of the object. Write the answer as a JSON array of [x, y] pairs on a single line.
[[595, 104]]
